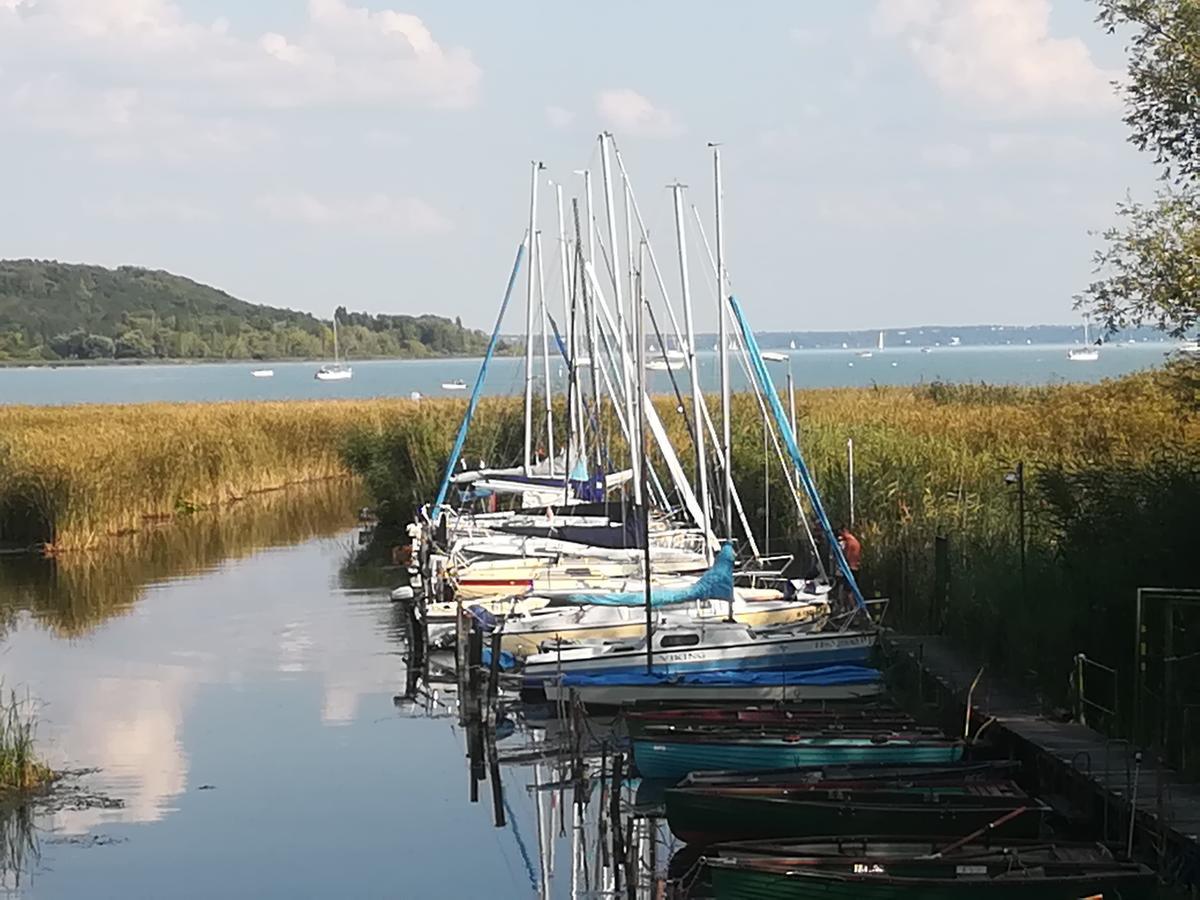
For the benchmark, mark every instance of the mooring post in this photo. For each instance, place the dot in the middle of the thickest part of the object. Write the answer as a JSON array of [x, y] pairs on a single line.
[[474, 659], [614, 818], [1080, 714], [494, 666], [1137, 772], [493, 761]]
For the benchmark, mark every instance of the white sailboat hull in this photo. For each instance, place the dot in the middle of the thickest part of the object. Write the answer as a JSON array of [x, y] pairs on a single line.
[[721, 648], [633, 694], [525, 636]]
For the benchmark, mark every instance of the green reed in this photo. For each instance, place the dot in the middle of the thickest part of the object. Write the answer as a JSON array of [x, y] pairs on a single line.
[[20, 767]]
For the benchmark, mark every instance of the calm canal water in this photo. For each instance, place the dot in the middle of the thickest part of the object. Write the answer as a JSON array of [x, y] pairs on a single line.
[[1043, 364], [232, 684]]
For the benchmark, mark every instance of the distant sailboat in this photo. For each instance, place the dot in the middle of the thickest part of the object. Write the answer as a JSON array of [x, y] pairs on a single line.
[[334, 371], [1086, 353], [675, 360], [792, 345], [880, 346]]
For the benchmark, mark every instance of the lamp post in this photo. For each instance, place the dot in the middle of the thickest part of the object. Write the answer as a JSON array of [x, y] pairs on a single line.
[[1017, 477]]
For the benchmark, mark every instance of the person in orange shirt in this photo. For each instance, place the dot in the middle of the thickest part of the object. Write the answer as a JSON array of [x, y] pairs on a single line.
[[852, 551], [851, 548]]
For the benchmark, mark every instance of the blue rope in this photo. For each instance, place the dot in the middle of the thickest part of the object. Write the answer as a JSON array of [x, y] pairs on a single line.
[[533, 878], [810, 487], [487, 358]]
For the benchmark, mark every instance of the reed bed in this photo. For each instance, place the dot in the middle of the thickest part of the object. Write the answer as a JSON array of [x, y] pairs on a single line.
[[71, 476], [20, 767]]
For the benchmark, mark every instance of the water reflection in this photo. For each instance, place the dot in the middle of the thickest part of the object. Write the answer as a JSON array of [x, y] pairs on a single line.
[[74, 593], [20, 848], [240, 712]]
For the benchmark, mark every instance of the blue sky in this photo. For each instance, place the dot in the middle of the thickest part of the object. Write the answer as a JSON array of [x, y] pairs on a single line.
[[887, 162]]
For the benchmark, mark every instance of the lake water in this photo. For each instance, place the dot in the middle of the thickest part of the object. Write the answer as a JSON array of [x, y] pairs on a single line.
[[1043, 364], [232, 683]]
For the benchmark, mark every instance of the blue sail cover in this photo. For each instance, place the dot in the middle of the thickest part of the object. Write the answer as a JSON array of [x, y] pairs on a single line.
[[715, 584], [825, 677]]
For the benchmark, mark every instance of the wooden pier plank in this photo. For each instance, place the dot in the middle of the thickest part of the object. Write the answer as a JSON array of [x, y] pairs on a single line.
[[1165, 801]]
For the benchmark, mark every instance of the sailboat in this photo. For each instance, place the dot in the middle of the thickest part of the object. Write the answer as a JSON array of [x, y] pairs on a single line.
[[675, 360], [1086, 353], [334, 371]]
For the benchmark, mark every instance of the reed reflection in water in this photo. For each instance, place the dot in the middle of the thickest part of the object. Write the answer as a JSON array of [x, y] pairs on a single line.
[[74, 593]]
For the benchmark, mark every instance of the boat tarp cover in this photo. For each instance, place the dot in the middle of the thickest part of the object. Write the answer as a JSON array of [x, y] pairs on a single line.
[[830, 675], [630, 533], [715, 584]]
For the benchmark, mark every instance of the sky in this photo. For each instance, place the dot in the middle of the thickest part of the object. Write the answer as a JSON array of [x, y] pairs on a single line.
[[885, 162]]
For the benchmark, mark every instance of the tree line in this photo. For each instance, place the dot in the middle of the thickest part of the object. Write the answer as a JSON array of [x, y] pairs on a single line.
[[56, 311]]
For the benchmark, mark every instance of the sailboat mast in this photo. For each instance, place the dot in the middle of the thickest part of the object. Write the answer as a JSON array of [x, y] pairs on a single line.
[[336, 358], [530, 282], [590, 325], [723, 343], [546, 355], [622, 334], [639, 331], [697, 394], [573, 420]]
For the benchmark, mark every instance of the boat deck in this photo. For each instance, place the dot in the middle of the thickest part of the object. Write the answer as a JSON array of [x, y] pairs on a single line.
[[1096, 773]]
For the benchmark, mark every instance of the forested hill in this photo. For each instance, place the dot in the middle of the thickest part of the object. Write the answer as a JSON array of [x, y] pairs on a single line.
[[57, 311]]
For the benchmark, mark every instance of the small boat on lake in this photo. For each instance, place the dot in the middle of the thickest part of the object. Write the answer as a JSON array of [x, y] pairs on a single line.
[[789, 717], [263, 373], [831, 683], [334, 371], [674, 756], [886, 869], [707, 815], [707, 647], [1085, 353], [457, 385], [526, 632], [674, 361]]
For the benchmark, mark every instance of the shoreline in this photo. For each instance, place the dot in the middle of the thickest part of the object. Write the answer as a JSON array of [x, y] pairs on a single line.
[[259, 363]]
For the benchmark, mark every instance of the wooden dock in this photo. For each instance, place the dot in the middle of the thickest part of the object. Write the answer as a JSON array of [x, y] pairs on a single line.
[[1076, 767]]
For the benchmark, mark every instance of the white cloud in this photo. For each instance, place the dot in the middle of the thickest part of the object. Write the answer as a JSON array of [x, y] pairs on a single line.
[[111, 65], [375, 213], [998, 55], [947, 156], [559, 117], [128, 209], [808, 37], [123, 123], [1060, 149], [628, 112], [903, 206]]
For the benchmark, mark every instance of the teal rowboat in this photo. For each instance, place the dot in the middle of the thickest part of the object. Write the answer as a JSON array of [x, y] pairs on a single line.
[[699, 815], [903, 871], [675, 756]]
